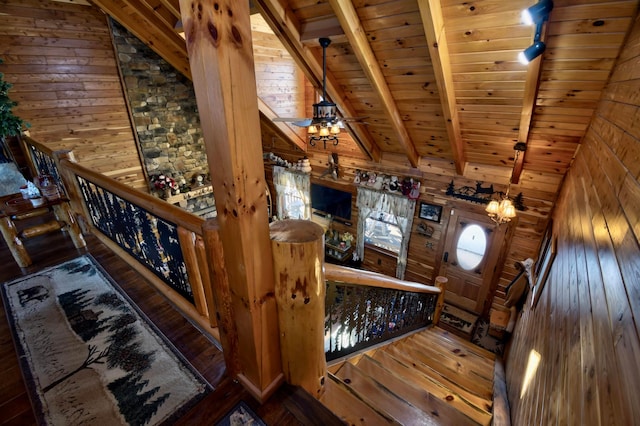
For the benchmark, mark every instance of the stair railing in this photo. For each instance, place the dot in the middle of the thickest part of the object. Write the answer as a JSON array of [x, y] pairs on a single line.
[[364, 308], [327, 311]]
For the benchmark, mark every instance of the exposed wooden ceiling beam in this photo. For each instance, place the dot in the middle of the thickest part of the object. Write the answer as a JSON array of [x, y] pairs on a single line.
[[283, 127], [141, 21], [350, 22], [173, 6], [285, 25], [328, 27], [145, 25], [433, 23], [528, 104]]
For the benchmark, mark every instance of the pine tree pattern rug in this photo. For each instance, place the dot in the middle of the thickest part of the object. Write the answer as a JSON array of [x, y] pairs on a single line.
[[89, 356]]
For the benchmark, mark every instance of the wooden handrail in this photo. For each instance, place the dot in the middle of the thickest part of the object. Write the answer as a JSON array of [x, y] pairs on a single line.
[[38, 145], [357, 276], [148, 202]]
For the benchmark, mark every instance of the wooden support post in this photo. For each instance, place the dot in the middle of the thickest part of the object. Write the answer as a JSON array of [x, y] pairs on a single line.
[[218, 38], [298, 256], [76, 200], [441, 283], [10, 235], [63, 212]]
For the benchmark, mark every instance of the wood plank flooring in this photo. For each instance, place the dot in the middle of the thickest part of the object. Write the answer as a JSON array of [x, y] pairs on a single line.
[[288, 406]]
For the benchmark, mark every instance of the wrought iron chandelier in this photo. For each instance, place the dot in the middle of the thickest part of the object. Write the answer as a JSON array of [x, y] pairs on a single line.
[[324, 125], [503, 210]]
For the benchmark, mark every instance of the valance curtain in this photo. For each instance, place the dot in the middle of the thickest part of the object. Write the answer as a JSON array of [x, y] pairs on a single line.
[[401, 207], [286, 181]]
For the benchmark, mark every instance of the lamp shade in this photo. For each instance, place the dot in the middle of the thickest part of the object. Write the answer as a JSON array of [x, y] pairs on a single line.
[[531, 52], [324, 131], [493, 207], [312, 129]]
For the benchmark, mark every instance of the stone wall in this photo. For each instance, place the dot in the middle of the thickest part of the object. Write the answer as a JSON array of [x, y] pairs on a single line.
[[163, 105]]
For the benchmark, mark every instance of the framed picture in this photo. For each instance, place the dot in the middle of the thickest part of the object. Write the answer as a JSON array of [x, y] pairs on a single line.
[[430, 212], [543, 265]]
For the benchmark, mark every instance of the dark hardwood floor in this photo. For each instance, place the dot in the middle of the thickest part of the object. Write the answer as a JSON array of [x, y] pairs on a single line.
[[288, 406]]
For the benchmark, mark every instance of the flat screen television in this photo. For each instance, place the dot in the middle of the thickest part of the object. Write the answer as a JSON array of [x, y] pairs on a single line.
[[331, 201]]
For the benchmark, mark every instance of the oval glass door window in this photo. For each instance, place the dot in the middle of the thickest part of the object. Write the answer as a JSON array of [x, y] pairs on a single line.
[[471, 247]]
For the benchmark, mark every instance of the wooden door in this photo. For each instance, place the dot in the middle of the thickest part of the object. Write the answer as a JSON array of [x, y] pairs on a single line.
[[471, 251]]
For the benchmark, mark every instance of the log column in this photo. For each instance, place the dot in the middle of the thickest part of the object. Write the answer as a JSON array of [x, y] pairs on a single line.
[[298, 255], [441, 283], [218, 38], [10, 235]]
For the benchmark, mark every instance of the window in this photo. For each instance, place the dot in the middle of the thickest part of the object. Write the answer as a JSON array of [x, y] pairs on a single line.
[[381, 230], [471, 247], [292, 192], [293, 203]]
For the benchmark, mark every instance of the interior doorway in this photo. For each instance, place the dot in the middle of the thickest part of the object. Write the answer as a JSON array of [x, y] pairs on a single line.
[[473, 244]]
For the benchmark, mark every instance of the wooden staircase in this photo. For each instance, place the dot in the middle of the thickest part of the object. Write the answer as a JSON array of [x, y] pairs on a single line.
[[428, 378]]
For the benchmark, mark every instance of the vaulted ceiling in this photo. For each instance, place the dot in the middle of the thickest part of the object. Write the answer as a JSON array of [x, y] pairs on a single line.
[[437, 78]]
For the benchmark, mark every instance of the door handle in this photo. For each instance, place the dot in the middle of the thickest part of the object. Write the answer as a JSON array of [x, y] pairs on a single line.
[[446, 256]]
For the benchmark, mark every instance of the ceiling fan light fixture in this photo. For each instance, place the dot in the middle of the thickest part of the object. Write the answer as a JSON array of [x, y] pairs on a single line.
[[537, 13]]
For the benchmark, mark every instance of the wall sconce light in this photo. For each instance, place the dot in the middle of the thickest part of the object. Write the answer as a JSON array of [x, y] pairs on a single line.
[[537, 14]]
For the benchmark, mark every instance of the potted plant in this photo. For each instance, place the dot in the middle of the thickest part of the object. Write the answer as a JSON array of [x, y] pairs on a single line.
[[10, 124]]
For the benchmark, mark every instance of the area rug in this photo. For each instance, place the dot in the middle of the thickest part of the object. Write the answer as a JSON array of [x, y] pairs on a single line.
[[482, 338], [457, 318], [241, 415], [89, 356]]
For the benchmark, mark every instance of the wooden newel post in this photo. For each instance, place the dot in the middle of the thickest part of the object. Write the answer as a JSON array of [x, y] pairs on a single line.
[[441, 283], [298, 257]]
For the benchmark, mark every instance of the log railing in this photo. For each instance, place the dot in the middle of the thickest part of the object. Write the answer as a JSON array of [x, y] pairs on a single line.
[[161, 241], [41, 160], [364, 308]]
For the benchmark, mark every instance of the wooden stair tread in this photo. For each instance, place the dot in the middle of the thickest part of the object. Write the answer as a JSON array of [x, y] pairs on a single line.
[[474, 354], [416, 396], [454, 372], [347, 405], [456, 359], [444, 334], [382, 398], [472, 405]]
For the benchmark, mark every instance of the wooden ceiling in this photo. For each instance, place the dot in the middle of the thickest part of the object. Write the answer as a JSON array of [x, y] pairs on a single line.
[[437, 79]]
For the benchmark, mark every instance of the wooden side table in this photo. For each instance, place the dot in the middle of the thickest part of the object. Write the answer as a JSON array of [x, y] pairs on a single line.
[[13, 208]]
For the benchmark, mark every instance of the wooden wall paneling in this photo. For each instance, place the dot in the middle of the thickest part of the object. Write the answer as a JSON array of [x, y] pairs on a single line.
[[589, 307], [60, 59]]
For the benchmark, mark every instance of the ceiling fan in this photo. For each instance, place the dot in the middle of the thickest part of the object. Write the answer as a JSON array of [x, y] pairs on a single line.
[[325, 124]]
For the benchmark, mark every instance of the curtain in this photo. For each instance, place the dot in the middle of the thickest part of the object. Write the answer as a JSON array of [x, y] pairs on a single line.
[[401, 207], [289, 186]]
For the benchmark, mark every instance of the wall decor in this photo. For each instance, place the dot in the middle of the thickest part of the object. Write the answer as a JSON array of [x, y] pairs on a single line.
[[480, 194], [543, 264], [424, 229], [430, 212]]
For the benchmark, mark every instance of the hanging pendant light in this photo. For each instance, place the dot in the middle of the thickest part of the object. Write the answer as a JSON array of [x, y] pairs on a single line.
[[502, 211], [324, 125]]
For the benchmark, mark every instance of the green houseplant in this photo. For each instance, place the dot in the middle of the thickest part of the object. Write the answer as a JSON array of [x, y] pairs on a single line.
[[10, 124]]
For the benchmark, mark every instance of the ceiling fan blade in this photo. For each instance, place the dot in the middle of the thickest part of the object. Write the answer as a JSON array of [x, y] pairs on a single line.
[[290, 119]]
